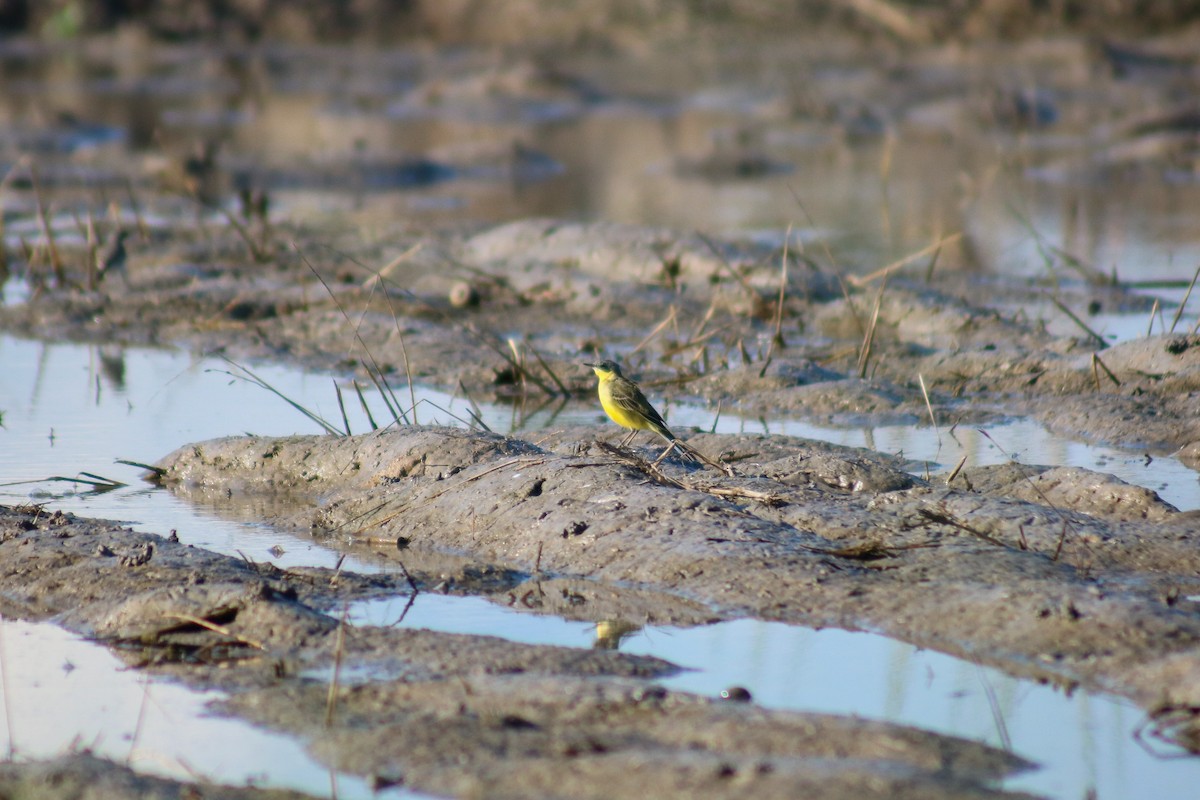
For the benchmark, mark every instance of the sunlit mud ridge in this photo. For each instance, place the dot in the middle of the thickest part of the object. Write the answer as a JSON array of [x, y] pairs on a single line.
[[1059, 574], [443, 713]]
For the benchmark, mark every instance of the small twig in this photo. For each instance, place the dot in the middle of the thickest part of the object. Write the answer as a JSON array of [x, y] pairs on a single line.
[[864, 354], [737, 276], [408, 577], [997, 713], [1153, 311], [141, 719], [137, 211], [957, 469], [340, 642], [1096, 360], [386, 270], [943, 518], [1182, 305], [249, 562], [1065, 521], [337, 571], [12, 739], [859, 281], [929, 407], [215, 628], [667, 320], [47, 230], [1097, 337], [776, 337]]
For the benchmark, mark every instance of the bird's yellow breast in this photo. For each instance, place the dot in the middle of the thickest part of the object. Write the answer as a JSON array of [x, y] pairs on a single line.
[[615, 411]]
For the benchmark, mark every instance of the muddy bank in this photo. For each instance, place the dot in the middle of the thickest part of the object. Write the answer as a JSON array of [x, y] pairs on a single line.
[[1063, 575], [510, 312], [84, 777], [448, 714]]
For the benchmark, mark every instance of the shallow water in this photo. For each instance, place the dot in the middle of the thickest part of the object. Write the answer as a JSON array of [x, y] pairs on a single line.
[[75, 408], [1084, 740], [63, 693]]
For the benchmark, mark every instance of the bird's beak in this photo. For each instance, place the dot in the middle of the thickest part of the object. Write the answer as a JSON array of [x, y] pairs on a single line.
[[590, 364]]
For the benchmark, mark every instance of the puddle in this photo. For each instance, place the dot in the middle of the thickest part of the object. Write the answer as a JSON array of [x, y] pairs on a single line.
[[64, 693], [1085, 741], [74, 408]]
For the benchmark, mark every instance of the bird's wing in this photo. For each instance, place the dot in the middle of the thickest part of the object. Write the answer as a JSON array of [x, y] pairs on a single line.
[[629, 396]]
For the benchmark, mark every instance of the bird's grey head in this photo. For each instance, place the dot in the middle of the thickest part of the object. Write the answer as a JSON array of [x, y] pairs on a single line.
[[607, 365]]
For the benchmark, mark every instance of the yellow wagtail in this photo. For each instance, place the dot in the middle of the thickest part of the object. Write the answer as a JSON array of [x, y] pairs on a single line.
[[625, 404]]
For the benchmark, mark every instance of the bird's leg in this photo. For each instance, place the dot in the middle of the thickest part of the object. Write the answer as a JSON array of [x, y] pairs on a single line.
[[629, 439]]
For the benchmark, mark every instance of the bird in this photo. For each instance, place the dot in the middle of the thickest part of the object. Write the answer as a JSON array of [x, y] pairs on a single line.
[[625, 404]]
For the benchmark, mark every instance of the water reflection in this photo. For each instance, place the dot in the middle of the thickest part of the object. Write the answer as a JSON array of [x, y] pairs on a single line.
[[471, 137], [69, 694], [1082, 740]]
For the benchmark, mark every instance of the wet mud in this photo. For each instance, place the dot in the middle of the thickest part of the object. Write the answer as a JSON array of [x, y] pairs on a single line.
[[443, 713], [1064, 575], [241, 242]]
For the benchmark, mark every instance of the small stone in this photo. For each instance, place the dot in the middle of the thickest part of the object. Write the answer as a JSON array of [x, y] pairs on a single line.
[[463, 295], [736, 694]]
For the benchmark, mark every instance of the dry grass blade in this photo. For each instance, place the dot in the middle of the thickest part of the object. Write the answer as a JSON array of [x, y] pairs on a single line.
[[250, 377], [339, 647], [1096, 361], [12, 740], [864, 353], [136, 208], [389, 397], [1183, 304], [561, 386], [43, 215], [1083, 325], [777, 336], [1153, 311], [412, 392], [737, 276], [93, 245], [215, 628], [374, 371], [362, 401], [858, 281], [341, 406], [929, 406], [667, 320], [942, 518], [474, 410], [386, 270], [892, 19], [1065, 521], [258, 253], [957, 469], [157, 471]]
